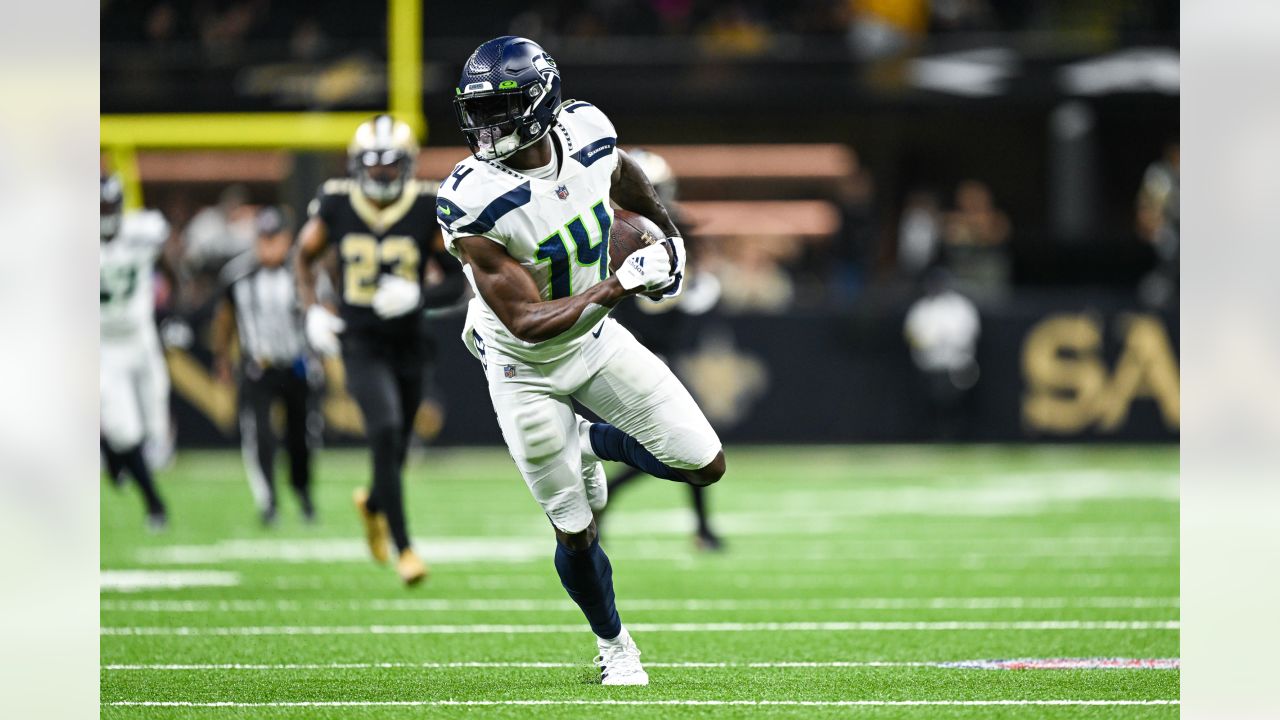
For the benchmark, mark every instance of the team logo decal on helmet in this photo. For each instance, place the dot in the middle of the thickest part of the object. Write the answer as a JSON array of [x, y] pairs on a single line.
[[507, 97]]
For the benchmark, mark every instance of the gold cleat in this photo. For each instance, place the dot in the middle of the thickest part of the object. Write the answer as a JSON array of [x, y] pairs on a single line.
[[375, 526], [411, 568]]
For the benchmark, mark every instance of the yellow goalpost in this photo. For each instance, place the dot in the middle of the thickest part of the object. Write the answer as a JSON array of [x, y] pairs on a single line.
[[121, 136]]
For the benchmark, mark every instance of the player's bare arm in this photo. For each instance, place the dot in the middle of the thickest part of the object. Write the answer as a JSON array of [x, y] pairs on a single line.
[[313, 238], [632, 190], [453, 283], [510, 291]]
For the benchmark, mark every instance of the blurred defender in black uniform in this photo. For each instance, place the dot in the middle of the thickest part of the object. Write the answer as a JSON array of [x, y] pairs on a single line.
[[380, 222], [665, 328]]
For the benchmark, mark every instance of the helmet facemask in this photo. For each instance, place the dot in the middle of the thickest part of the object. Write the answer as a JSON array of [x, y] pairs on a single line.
[[381, 174], [498, 124], [381, 158], [499, 121]]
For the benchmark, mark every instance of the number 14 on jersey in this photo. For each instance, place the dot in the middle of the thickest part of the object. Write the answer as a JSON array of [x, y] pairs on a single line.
[[584, 249]]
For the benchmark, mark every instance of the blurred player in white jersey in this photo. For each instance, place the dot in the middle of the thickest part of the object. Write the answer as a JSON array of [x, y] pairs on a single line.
[[133, 380], [529, 215]]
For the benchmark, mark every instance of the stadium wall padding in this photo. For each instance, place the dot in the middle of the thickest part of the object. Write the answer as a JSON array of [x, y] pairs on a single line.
[[1048, 371]]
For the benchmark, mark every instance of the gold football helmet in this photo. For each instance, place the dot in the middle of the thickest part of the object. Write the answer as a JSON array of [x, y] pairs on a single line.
[[382, 157]]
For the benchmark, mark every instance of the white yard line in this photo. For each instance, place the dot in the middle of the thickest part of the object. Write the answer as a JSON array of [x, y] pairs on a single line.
[[439, 551], [547, 605], [749, 703], [489, 629], [1124, 580], [1077, 663], [138, 580], [530, 549]]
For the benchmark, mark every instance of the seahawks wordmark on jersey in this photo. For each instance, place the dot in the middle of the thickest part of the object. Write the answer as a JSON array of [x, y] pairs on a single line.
[[371, 241], [557, 227], [126, 296]]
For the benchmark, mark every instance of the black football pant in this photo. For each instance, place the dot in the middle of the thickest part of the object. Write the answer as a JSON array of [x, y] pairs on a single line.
[[260, 388], [132, 462], [385, 376]]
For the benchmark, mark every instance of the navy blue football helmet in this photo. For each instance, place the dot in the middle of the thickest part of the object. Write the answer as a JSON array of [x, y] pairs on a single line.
[[508, 96]]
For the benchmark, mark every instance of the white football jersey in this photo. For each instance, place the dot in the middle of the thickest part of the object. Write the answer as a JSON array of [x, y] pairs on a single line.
[[125, 265], [558, 229]]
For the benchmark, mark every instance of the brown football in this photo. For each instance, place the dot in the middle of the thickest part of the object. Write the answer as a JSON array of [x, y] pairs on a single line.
[[630, 232]]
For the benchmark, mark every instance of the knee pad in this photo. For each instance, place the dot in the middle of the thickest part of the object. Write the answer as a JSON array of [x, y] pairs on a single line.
[[540, 435], [568, 511]]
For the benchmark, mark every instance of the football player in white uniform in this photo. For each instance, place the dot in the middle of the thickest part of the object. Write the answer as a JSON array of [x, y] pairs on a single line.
[[133, 380], [529, 216]]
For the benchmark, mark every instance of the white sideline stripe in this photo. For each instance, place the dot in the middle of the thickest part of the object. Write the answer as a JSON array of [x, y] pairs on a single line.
[[749, 703], [486, 629], [541, 605], [1154, 664]]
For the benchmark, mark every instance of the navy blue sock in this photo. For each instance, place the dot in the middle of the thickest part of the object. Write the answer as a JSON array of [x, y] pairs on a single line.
[[610, 443], [588, 578]]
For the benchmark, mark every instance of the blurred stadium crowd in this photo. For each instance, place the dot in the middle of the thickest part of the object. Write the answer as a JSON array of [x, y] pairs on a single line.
[[223, 28]]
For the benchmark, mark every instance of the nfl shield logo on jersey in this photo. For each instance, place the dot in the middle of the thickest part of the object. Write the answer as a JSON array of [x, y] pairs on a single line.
[[509, 371], [562, 192]]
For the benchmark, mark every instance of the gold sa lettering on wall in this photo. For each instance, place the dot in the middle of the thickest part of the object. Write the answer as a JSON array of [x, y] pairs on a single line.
[[1069, 386]]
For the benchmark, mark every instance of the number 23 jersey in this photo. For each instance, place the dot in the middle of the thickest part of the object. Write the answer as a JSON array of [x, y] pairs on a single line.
[[370, 242], [557, 228]]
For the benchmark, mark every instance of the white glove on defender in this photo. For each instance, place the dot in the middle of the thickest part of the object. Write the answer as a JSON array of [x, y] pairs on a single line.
[[322, 330], [396, 296], [649, 268]]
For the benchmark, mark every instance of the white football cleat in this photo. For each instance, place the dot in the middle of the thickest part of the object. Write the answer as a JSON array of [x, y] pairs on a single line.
[[619, 661]]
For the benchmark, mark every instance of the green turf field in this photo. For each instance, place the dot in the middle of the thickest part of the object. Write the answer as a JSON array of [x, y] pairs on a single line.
[[853, 577]]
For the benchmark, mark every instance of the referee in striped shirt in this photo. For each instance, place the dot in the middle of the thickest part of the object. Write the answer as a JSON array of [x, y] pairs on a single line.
[[260, 304]]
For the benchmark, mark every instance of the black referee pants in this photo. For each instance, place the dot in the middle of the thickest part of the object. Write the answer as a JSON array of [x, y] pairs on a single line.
[[260, 388]]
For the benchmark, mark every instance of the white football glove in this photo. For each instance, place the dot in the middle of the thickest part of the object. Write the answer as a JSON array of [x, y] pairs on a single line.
[[648, 268], [322, 330], [677, 271], [396, 296]]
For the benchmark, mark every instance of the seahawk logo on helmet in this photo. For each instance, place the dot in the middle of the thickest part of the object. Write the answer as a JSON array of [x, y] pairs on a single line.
[[508, 96], [110, 205], [382, 157]]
